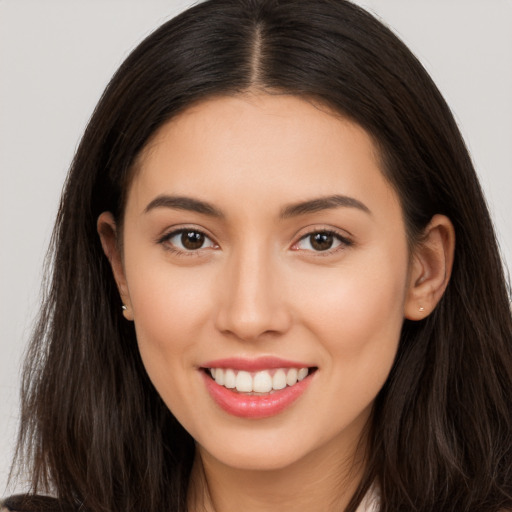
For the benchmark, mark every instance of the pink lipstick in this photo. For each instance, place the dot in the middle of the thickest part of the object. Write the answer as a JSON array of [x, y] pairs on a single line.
[[256, 388]]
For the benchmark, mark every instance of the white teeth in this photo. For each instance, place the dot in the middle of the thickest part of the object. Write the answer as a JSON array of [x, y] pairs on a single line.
[[244, 382], [263, 381], [279, 379], [219, 376], [291, 377], [229, 379], [302, 374]]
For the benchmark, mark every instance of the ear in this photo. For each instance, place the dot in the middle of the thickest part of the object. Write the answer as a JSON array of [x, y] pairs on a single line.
[[431, 268], [107, 230]]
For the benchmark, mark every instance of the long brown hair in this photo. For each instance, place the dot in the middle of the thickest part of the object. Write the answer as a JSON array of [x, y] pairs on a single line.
[[95, 432]]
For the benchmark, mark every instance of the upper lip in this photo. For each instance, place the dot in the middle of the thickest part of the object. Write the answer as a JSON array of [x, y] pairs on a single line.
[[254, 365]]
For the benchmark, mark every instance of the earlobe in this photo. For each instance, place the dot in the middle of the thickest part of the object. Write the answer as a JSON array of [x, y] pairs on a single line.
[[431, 268], [107, 230]]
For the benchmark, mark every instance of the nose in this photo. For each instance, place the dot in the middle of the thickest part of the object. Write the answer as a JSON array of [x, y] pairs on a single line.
[[252, 302]]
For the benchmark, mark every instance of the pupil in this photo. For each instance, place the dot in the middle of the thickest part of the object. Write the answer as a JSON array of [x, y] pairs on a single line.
[[192, 240], [322, 241]]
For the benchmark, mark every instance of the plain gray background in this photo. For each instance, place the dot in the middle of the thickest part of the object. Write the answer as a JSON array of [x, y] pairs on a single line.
[[56, 57]]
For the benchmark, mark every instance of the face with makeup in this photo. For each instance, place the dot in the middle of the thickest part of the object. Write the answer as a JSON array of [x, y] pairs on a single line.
[[263, 247]]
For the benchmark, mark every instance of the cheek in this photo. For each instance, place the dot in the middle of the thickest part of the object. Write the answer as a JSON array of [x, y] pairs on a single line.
[[171, 310], [171, 314], [357, 313]]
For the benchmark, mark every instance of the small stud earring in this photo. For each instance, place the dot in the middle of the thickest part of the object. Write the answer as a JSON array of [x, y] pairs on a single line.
[[123, 307], [421, 308]]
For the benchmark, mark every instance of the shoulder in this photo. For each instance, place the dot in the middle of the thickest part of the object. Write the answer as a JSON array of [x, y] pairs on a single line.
[[33, 503]]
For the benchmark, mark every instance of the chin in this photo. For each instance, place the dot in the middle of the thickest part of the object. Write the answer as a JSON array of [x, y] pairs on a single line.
[[256, 459]]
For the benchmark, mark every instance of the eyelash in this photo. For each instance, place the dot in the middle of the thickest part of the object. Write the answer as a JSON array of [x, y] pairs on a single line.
[[343, 242], [165, 241]]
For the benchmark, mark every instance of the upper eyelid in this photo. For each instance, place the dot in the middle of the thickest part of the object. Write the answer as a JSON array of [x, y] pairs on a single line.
[[175, 230], [310, 230], [342, 239], [326, 231]]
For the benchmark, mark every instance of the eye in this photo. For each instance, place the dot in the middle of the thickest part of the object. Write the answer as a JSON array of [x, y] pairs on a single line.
[[321, 241], [188, 240]]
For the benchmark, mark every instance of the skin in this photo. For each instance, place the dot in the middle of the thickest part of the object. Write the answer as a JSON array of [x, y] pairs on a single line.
[[258, 287]]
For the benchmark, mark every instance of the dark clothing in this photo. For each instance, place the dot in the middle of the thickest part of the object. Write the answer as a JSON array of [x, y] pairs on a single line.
[[31, 503]]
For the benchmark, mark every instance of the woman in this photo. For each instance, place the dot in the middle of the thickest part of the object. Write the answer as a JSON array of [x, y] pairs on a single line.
[[276, 284]]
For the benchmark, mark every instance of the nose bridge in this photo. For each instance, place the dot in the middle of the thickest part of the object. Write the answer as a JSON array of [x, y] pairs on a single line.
[[251, 301]]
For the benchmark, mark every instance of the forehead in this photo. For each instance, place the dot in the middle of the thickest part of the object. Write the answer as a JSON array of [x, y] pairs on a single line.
[[253, 146]]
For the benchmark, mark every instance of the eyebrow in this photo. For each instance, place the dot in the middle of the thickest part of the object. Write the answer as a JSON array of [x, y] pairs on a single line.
[[322, 203], [184, 203], [292, 210]]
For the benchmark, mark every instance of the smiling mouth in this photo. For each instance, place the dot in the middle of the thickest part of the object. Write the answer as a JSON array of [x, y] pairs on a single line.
[[262, 382]]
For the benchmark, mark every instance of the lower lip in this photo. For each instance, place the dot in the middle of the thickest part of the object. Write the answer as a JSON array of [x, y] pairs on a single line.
[[255, 406]]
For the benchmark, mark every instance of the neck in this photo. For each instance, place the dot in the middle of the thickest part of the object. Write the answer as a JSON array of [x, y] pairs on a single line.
[[323, 481]]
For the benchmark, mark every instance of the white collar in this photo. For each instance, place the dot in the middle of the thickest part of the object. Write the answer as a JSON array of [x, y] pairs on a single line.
[[371, 501]]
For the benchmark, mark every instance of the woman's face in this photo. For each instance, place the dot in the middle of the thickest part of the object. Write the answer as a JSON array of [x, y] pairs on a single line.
[[261, 239]]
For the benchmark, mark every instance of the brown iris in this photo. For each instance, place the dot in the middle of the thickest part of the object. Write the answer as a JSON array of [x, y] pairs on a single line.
[[192, 240], [321, 241]]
